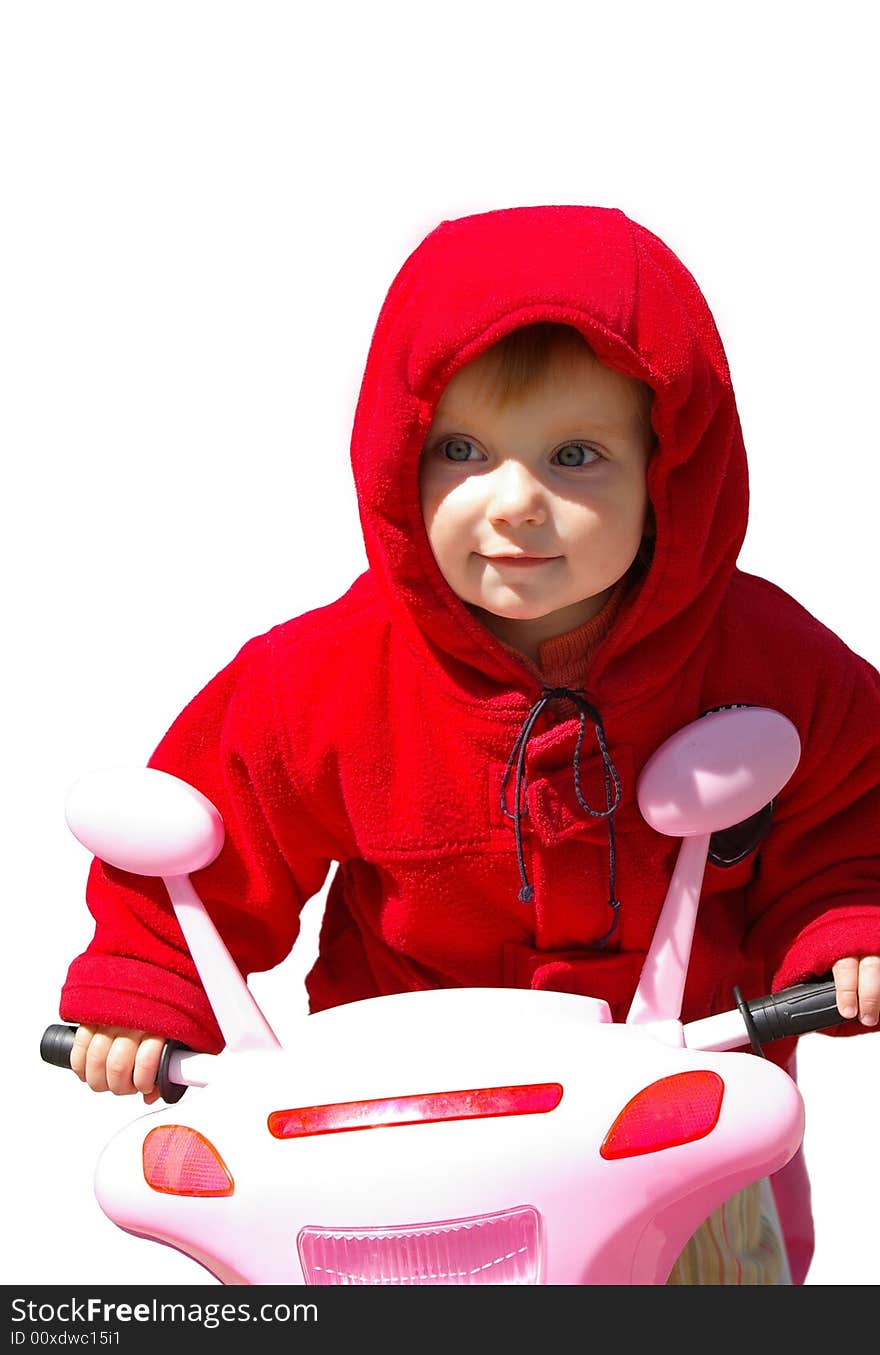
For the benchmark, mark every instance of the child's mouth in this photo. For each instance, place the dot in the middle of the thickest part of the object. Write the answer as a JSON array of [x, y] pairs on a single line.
[[521, 561]]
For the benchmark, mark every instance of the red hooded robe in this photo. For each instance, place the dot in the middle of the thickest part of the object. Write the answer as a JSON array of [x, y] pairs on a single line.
[[372, 735]]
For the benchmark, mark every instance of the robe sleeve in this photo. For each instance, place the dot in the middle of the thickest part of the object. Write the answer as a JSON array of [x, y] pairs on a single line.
[[230, 744], [816, 895]]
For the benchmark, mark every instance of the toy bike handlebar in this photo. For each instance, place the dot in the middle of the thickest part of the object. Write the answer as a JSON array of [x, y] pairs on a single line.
[[57, 1044], [792, 1011]]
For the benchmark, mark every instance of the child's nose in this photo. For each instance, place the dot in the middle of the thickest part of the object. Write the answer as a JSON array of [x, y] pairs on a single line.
[[516, 496]]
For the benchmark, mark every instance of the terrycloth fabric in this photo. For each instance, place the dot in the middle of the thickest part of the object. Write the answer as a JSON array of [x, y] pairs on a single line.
[[737, 1245], [375, 732]]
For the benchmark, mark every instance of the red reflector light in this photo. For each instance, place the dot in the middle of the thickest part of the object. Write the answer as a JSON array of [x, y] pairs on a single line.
[[677, 1109], [428, 1108], [179, 1161]]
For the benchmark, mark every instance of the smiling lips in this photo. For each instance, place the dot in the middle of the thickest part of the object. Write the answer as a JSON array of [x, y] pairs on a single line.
[[521, 561]]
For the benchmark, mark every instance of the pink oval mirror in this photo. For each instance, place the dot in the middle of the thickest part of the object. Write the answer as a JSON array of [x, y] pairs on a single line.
[[717, 771], [144, 821]]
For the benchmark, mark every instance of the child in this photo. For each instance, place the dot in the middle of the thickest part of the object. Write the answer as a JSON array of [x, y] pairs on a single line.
[[553, 492]]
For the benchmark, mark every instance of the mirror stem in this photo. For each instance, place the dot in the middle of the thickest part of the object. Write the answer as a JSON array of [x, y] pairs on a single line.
[[242, 1024], [658, 996]]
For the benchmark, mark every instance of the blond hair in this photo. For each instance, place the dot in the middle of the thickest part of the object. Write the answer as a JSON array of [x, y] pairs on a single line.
[[517, 363]]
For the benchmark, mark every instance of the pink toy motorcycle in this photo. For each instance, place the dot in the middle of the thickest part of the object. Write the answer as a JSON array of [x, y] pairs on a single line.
[[459, 1136]]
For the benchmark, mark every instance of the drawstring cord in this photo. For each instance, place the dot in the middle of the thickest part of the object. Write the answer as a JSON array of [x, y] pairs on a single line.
[[518, 758]]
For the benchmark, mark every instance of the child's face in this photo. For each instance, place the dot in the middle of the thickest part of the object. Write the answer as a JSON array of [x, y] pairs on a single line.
[[536, 508]]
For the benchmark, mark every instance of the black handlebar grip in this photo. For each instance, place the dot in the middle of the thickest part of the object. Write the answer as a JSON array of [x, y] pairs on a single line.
[[56, 1044], [168, 1090], [795, 1011]]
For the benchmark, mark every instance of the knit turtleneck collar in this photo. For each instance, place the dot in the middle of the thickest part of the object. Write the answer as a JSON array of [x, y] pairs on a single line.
[[562, 658]]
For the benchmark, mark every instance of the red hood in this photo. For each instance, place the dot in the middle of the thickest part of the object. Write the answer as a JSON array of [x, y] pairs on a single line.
[[469, 283]]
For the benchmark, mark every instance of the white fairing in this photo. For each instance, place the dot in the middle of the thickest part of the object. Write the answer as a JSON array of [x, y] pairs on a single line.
[[539, 1175]]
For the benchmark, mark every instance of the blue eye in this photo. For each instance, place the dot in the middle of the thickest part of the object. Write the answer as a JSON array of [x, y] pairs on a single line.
[[459, 449], [575, 454]]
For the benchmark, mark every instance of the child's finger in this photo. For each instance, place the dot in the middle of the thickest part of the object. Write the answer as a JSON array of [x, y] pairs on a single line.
[[80, 1048], [119, 1064], [869, 990], [846, 986], [146, 1064], [95, 1071]]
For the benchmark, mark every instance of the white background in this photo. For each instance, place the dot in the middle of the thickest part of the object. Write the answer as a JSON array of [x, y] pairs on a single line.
[[204, 205]]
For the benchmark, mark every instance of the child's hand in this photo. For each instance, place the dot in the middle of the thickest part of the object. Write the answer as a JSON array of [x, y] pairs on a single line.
[[111, 1058], [857, 986]]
